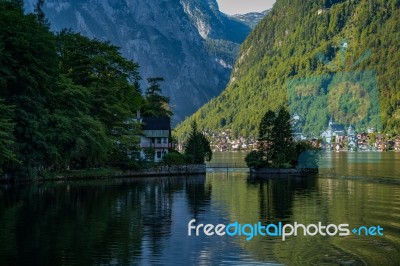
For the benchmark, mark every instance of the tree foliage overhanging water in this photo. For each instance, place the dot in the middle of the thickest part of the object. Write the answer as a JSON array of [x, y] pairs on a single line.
[[66, 101]]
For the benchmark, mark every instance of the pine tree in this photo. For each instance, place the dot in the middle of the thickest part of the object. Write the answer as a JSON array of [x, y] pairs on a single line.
[[282, 146], [156, 105], [266, 132], [198, 147], [275, 142], [39, 13]]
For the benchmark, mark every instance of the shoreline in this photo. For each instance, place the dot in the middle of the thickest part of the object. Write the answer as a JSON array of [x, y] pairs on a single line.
[[104, 173], [282, 171]]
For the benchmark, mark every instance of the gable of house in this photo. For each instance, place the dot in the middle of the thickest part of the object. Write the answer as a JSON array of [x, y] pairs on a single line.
[[156, 134]]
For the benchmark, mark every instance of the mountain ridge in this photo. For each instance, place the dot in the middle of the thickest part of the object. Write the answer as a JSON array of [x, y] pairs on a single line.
[[253, 18], [189, 43]]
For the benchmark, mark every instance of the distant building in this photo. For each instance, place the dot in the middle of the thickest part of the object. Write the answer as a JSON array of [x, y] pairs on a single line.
[[156, 137], [397, 144], [334, 130], [322, 11], [352, 138]]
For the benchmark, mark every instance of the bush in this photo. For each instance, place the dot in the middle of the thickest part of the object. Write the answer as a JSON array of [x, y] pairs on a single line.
[[255, 159], [286, 166], [174, 158]]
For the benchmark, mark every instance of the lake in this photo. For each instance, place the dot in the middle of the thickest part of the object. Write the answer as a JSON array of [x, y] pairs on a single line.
[[144, 221]]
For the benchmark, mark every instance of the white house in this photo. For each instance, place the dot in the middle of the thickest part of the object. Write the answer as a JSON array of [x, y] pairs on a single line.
[[334, 130], [352, 138], [156, 137]]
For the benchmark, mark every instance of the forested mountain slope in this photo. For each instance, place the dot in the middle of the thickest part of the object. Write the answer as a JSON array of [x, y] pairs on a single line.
[[314, 44]]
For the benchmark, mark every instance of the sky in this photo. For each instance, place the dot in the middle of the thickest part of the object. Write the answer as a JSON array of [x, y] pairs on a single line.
[[232, 7]]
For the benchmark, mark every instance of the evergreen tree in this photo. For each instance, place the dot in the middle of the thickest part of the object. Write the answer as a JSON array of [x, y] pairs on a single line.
[[156, 105], [266, 129], [198, 147], [275, 142], [39, 13], [282, 145], [19, 4]]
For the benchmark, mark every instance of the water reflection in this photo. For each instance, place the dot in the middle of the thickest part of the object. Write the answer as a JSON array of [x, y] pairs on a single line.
[[276, 194], [372, 165], [92, 223], [198, 195], [144, 221], [309, 201]]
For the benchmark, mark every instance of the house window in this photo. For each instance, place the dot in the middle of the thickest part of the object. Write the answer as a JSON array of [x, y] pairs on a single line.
[[159, 154], [164, 140], [158, 140]]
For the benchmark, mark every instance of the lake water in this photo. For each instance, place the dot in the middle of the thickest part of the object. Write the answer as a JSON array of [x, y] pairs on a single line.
[[145, 221]]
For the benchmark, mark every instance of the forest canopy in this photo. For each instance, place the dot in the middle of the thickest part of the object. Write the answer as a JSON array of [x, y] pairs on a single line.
[[66, 101]]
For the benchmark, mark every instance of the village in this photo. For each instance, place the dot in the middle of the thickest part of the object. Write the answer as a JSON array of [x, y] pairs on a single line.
[[335, 138]]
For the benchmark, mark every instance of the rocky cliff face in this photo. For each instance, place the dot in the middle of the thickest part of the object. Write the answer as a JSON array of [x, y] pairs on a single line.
[[253, 18], [188, 42]]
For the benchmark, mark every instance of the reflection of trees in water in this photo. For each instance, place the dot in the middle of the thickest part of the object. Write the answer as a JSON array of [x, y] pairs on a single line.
[[276, 195], [89, 223], [198, 194], [156, 210]]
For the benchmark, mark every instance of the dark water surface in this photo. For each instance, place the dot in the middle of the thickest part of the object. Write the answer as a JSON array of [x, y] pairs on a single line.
[[144, 221]]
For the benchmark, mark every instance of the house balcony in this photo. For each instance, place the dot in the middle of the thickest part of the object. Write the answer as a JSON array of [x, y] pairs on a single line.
[[157, 145]]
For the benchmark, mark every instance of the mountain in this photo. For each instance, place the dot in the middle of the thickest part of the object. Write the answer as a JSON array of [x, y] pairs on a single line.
[[251, 19], [188, 42], [321, 59]]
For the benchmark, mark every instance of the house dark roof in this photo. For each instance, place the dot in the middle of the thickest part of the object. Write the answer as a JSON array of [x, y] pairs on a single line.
[[156, 123], [336, 128]]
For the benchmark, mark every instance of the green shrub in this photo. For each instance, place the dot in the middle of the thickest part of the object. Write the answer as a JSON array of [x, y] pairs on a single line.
[[174, 158], [286, 166], [255, 159]]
